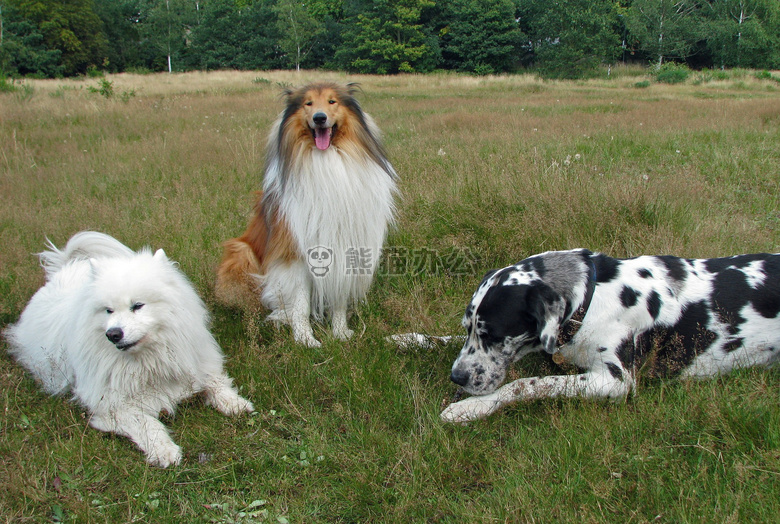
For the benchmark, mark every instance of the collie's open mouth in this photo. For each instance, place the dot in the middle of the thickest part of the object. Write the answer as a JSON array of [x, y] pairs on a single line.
[[322, 137]]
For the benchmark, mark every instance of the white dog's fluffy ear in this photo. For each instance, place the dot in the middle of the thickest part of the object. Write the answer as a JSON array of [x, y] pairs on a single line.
[[160, 255], [94, 266]]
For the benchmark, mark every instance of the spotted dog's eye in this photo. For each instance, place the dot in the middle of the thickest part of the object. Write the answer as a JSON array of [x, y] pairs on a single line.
[[135, 307]]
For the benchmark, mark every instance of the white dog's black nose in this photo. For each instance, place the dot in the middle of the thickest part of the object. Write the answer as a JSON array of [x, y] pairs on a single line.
[[320, 118], [460, 377], [115, 334]]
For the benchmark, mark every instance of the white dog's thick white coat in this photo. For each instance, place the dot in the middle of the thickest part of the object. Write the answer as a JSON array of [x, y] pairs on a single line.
[[127, 335]]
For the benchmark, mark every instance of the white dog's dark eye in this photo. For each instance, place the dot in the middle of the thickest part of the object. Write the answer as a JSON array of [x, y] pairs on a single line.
[[135, 307], [109, 310]]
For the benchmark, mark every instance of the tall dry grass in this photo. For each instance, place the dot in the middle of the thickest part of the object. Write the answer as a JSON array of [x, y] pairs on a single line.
[[493, 167]]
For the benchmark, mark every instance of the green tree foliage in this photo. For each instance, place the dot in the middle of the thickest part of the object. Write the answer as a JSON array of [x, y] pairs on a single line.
[[481, 36], [232, 35], [743, 33], [24, 51], [120, 24], [298, 29], [558, 38], [165, 26], [386, 37], [666, 29], [570, 38], [70, 26]]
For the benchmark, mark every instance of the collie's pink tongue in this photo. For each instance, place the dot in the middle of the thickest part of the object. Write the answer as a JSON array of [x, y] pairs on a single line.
[[322, 138]]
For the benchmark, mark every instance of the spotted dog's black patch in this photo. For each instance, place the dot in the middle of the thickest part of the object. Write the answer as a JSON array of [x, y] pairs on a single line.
[[606, 268], [629, 297], [675, 267], [506, 312], [654, 304], [615, 371], [533, 264]]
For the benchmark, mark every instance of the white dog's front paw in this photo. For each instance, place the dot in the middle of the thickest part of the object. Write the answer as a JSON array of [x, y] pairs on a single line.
[[232, 404], [472, 408], [164, 454], [236, 406]]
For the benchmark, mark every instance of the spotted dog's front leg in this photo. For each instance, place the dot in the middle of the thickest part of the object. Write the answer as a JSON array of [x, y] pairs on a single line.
[[597, 385]]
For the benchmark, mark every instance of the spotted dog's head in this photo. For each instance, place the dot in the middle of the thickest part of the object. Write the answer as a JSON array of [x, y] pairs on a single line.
[[516, 311]]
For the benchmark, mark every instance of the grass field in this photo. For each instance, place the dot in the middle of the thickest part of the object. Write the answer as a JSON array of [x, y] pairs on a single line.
[[492, 170]]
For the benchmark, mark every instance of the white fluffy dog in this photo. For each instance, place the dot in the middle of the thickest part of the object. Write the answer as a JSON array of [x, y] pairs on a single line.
[[126, 333]]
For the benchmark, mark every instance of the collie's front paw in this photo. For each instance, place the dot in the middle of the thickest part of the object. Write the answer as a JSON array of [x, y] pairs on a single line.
[[307, 339], [343, 333]]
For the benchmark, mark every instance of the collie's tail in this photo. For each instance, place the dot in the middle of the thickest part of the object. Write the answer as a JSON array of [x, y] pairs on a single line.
[[238, 276], [81, 246]]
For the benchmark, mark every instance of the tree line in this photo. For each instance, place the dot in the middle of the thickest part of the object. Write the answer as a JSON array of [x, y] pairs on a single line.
[[555, 38]]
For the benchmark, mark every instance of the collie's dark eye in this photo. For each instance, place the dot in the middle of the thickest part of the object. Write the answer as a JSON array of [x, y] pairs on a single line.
[[309, 103], [135, 307], [331, 101]]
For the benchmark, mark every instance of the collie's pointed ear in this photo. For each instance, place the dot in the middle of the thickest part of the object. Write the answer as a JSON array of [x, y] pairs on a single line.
[[353, 88]]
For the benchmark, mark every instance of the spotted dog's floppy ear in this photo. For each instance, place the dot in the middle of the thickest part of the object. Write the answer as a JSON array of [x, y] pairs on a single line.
[[488, 275], [548, 309]]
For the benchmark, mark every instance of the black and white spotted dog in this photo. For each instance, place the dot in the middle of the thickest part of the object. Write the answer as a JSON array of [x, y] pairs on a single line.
[[663, 315]]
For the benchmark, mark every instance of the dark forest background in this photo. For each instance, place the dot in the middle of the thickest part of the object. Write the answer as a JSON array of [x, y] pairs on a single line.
[[554, 38]]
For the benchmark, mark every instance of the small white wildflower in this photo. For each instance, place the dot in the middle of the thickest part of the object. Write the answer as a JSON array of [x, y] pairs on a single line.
[[441, 152], [577, 156], [567, 161]]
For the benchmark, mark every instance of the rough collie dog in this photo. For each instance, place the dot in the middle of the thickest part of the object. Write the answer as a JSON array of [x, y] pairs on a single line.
[[127, 335], [314, 242]]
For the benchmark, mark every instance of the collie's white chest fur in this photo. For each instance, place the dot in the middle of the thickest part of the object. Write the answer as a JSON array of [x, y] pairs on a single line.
[[339, 207]]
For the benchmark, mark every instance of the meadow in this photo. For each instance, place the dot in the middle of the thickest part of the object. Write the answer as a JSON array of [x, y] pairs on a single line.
[[492, 169]]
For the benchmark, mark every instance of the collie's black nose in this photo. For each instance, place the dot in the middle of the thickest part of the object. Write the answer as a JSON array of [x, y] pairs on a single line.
[[459, 377], [114, 334], [320, 118]]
